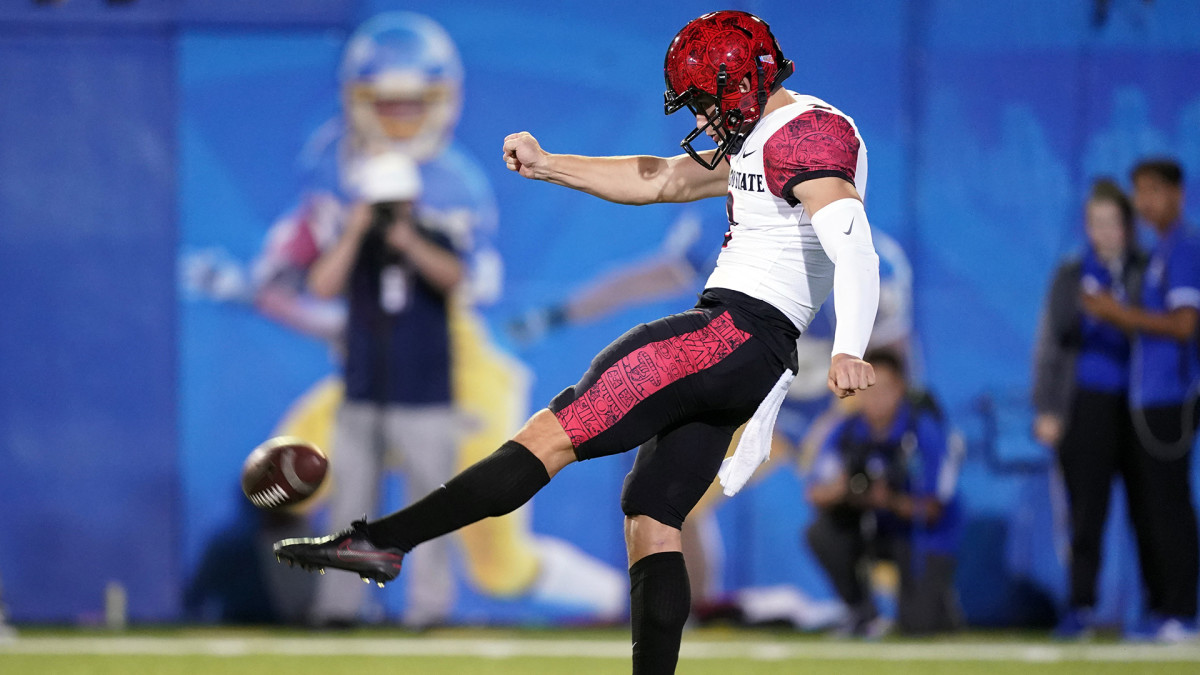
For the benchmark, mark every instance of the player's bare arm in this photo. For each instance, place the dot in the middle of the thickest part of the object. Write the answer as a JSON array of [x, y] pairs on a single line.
[[632, 179], [837, 213]]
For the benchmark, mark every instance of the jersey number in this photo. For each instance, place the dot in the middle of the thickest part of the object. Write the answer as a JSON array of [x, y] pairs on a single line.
[[732, 222]]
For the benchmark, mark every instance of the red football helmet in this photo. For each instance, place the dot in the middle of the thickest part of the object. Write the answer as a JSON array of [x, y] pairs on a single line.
[[705, 66]]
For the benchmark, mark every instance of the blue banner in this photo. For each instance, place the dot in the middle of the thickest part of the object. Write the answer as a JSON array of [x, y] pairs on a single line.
[[150, 148]]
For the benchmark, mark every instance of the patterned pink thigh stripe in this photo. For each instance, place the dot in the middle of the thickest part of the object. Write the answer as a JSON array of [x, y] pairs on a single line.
[[644, 371]]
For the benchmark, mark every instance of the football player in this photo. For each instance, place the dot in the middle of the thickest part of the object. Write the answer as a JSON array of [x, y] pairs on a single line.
[[791, 168], [684, 258]]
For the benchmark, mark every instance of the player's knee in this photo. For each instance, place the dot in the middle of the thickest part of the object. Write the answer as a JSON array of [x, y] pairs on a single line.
[[545, 438], [645, 536]]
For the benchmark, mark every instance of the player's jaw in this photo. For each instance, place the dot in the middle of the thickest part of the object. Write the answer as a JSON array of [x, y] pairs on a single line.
[[709, 129]]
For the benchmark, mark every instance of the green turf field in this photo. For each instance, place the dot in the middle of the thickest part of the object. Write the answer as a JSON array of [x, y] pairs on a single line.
[[577, 652]]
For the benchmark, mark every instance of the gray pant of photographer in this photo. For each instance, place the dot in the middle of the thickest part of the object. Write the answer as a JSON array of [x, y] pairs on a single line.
[[419, 444]]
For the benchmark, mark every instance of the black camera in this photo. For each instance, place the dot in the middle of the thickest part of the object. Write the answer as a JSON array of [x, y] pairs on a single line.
[[383, 216]]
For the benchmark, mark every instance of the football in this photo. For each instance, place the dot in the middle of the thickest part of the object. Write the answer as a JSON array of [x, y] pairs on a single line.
[[283, 471]]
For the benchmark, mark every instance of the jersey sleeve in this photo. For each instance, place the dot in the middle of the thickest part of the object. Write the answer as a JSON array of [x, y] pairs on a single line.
[[297, 239], [1183, 276], [816, 144]]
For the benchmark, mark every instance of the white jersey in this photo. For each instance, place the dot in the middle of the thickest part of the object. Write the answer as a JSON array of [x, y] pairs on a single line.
[[771, 251]]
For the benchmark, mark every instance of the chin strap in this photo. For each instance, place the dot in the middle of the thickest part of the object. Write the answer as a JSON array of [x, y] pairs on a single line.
[[762, 87], [722, 80]]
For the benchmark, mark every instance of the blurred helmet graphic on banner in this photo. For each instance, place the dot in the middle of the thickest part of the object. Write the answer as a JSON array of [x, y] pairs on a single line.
[[401, 80]]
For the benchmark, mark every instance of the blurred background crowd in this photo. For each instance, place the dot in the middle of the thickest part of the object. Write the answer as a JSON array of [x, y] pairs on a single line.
[[223, 221]]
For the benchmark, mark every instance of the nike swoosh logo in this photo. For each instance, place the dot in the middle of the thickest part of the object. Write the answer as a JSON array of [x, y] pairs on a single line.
[[748, 153], [849, 228]]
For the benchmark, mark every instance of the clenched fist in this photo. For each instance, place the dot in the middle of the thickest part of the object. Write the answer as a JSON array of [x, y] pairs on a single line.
[[849, 374], [523, 154]]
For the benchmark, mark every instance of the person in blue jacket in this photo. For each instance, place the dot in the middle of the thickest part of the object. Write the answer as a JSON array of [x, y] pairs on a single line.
[[884, 486], [1164, 379], [1080, 395]]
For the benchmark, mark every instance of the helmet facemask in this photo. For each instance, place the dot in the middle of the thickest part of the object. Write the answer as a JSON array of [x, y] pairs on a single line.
[[418, 117], [402, 85], [726, 125]]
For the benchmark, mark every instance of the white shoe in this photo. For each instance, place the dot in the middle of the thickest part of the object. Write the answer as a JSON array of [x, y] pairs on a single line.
[[573, 579], [788, 603], [1174, 631]]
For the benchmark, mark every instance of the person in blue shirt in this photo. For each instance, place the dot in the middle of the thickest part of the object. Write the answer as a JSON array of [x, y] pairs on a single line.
[[1164, 378], [884, 487], [1080, 394]]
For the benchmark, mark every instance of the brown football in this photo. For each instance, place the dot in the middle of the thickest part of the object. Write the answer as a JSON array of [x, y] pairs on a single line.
[[283, 471]]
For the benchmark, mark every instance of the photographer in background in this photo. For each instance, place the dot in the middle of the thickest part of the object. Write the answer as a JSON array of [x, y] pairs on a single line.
[[397, 272], [883, 485]]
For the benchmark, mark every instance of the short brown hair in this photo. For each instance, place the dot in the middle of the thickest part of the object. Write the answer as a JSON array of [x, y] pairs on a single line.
[[1164, 168]]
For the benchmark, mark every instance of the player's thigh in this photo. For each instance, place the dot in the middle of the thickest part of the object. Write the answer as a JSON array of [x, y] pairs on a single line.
[[658, 376], [673, 470]]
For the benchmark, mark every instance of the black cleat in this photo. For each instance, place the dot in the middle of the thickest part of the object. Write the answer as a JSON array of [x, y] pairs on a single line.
[[351, 550]]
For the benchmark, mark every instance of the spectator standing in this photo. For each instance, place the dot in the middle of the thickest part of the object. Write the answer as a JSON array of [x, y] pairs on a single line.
[[398, 273], [1080, 396], [1164, 377]]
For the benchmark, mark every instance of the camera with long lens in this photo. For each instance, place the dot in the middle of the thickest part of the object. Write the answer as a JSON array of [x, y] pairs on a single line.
[[863, 469]]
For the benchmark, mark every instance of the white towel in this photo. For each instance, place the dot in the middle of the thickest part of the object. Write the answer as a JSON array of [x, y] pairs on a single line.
[[754, 448]]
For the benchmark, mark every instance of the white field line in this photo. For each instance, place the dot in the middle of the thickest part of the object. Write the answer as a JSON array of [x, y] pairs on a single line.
[[496, 648]]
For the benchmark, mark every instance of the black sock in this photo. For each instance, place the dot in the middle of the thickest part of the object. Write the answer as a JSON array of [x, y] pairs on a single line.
[[493, 486], [659, 601]]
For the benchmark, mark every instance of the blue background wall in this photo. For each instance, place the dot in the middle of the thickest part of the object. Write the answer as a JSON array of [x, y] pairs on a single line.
[[132, 134]]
